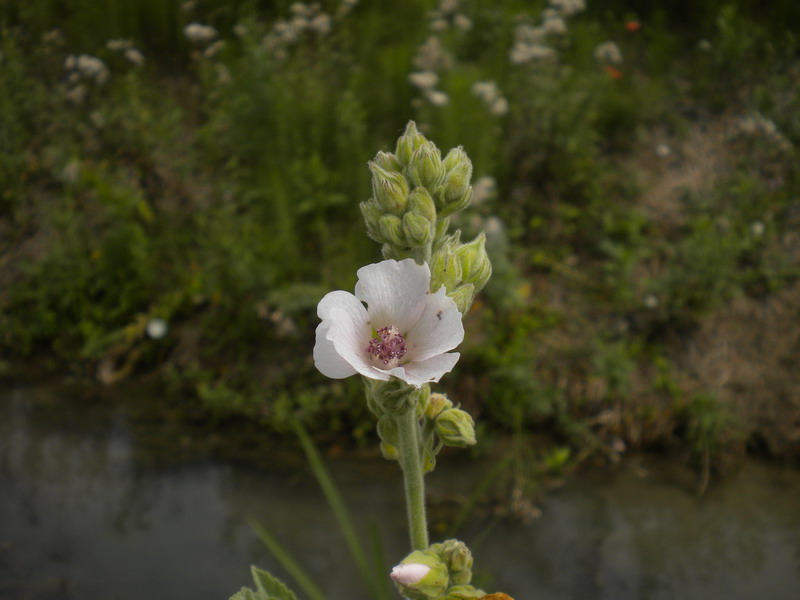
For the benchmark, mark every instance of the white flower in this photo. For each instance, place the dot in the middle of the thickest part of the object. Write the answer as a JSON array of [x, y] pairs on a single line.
[[608, 53], [424, 79], [437, 98], [404, 332], [199, 33]]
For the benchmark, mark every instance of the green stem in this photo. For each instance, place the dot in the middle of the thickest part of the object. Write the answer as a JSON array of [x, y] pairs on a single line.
[[413, 478]]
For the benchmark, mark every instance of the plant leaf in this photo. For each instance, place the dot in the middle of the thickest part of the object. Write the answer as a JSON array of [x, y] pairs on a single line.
[[270, 586]]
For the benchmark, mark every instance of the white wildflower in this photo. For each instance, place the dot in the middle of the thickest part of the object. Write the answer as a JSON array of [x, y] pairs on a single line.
[[213, 49], [156, 328], [462, 22], [529, 33], [405, 331], [524, 53], [199, 34], [568, 7], [439, 25], [431, 56], [757, 228], [424, 80], [555, 25], [663, 151], [77, 94], [448, 7], [485, 90], [437, 98], [117, 44], [499, 107], [608, 53], [134, 56], [321, 23]]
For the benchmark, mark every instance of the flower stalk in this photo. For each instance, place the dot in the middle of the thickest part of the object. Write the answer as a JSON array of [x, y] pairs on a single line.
[[413, 477]]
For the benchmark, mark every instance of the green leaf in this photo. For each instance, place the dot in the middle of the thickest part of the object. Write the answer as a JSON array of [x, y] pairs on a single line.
[[248, 594], [270, 586]]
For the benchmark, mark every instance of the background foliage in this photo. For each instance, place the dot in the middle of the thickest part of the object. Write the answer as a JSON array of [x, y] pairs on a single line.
[[642, 214]]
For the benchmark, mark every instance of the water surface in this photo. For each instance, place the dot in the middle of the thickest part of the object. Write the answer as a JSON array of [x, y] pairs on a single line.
[[98, 502]]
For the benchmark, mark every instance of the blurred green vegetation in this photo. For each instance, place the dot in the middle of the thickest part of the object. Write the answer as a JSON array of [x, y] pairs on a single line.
[[644, 211]]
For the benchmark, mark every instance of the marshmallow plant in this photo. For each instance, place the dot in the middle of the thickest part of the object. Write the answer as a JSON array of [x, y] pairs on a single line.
[[398, 331]]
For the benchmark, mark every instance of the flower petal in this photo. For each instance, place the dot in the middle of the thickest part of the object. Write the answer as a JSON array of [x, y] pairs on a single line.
[[394, 292], [348, 332], [425, 371], [438, 329], [326, 359]]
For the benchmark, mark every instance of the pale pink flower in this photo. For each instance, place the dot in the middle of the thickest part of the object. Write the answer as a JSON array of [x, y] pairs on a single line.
[[405, 331], [410, 573]]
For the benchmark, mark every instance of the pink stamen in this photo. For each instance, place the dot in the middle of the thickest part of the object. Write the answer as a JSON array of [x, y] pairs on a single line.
[[389, 346]]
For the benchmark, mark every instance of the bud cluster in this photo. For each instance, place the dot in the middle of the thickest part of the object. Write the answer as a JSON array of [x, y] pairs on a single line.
[[414, 193], [463, 269], [441, 572]]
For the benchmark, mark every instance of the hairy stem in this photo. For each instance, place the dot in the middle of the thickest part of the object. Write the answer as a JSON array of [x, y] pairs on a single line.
[[413, 478]]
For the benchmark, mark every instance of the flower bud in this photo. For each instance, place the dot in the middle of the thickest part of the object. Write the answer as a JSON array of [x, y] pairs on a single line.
[[390, 228], [417, 229], [463, 296], [448, 208], [455, 428], [445, 269], [408, 143], [436, 404], [410, 573], [421, 203], [442, 225], [415, 582], [457, 555], [476, 268], [388, 161], [426, 168], [428, 459], [459, 173], [372, 214], [390, 189]]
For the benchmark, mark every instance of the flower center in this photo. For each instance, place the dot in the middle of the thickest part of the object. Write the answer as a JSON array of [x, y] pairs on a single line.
[[388, 346]]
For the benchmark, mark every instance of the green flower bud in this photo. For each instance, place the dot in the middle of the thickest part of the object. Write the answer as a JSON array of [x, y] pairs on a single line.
[[436, 404], [448, 208], [408, 143], [422, 575], [455, 428], [463, 296], [463, 592], [372, 214], [442, 225], [457, 555], [390, 189], [476, 268], [445, 269], [420, 202], [388, 161], [390, 228], [426, 168], [459, 173], [417, 229]]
